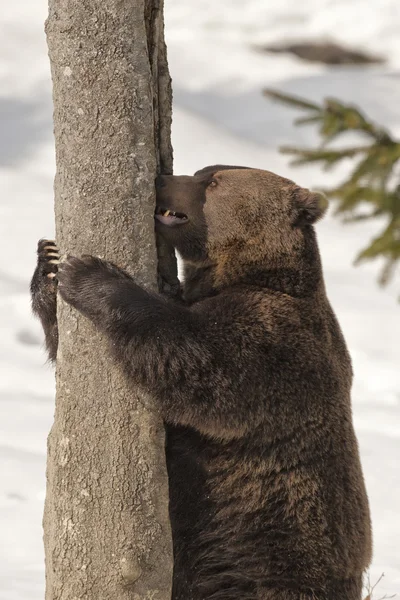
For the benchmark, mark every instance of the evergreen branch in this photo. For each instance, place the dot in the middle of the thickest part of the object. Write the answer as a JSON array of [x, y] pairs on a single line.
[[387, 272], [325, 154], [349, 196], [383, 245], [290, 100], [308, 120], [372, 169], [372, 180]]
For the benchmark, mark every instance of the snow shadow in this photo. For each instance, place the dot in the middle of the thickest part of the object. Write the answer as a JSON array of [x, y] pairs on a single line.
[[250, 115], [24, 124]]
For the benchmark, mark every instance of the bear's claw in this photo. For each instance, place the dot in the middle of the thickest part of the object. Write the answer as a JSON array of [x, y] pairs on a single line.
[[48, 258]]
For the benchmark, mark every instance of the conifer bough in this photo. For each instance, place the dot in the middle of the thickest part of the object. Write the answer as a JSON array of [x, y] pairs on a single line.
[[372, 188]]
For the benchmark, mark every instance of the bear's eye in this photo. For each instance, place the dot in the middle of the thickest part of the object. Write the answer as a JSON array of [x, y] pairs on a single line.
[[213, 183]]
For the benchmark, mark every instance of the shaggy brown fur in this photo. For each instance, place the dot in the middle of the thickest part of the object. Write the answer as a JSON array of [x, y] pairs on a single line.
[[253, 378]]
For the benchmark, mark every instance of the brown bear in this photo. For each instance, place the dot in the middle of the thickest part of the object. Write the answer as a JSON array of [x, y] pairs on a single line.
[[253, 377]]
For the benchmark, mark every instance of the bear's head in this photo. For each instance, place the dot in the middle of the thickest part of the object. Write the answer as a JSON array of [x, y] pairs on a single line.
[[238, 219]]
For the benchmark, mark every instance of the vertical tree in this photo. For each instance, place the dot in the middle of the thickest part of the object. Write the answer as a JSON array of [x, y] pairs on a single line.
[[106, 526]]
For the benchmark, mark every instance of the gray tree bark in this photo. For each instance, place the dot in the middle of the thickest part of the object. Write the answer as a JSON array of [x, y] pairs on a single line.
[[106, 527]]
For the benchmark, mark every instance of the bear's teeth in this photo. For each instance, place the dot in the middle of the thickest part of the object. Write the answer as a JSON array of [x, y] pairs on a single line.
[[166, 213]]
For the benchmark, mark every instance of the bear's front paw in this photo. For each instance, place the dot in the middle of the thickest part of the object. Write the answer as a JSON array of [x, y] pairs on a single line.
[[87, 283], [44, 280], [48, 259]]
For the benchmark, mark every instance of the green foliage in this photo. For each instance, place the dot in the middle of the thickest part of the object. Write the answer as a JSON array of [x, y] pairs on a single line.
[[373, 186]]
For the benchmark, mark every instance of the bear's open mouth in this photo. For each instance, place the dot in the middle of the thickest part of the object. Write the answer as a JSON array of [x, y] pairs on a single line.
[[170, 217]]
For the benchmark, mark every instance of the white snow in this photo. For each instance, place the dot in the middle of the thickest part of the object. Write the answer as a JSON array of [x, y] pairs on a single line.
[[220, 116]]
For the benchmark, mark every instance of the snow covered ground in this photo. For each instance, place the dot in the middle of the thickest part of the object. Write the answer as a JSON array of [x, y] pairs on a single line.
[[220, 116]]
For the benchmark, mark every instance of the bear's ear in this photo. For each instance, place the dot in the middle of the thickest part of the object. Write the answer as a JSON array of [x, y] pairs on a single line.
[[309, 206]]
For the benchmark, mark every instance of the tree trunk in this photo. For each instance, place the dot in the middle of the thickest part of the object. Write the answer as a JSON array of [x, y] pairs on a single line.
[[106, 526]]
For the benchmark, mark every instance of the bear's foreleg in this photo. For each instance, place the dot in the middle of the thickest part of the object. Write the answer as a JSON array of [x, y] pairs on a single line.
[[177, 354]]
